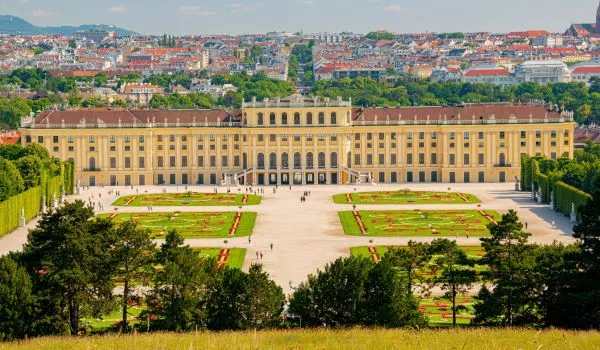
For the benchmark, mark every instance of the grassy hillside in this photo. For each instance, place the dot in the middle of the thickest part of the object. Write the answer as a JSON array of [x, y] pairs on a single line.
[[355, 339]]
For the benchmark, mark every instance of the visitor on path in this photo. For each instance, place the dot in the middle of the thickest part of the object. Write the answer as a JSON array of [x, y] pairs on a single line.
[[257, 255], [261, 255], [249, 240], [526, 225], [271, 246]]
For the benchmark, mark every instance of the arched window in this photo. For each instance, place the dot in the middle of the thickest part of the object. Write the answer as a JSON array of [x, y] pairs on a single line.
[[245, 121], [92, 163], [321, 160], [284, 118], [260, 160], [272, 118], [273, 160], [321, 118], [309, 160], [333, 118], [260, 119], [296, 118], [334, 161], [284, 160], [309, 118], [297, 160], [502, 159]]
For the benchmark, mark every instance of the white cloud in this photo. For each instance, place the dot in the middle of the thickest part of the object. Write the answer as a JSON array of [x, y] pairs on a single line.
[[196, 11], [306, 2], [118, 9], [43, 13], [393, 8], [237, 8]]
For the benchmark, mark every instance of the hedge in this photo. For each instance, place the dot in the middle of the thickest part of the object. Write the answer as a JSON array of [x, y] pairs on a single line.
[[544, 187], [10, 209], [565, 195]]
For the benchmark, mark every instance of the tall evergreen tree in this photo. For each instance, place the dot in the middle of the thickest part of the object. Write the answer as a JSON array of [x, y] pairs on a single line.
[[15, 297]]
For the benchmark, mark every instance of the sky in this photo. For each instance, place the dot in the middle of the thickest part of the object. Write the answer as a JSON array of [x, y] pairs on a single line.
[[180, 17]]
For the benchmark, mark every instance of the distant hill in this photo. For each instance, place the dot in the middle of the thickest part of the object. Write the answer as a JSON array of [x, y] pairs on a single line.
[[16, 25]]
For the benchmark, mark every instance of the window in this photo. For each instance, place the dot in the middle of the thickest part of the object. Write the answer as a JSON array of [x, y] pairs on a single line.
[[369, 159], [421, 158], [40, 139], [369, 136], [309, 118], [434, 135], [466, 135], [538, 134], [284, 119], [321, 137], [172, 161], [54, 139], [159, 138], [421, 135], [284, 137], [141, 162], [466, 159], [113, 162], [159, 161], [334, 137], [272, 118], [393, 136], [260, 120], [260, 160], [309, 160], [296, 118], [523, 134], [141, 139], [333, 118], [70, 139], [381, 159], [481, 176], [452, 135], [334, 159], [260, 138], [553, 134], [409, 135], [480, 159], [393, 159], [184, 161], [92, 139], [224, 138], [381, 136], [409, 158], [127, 162], [357, 159], [272, 138], [297, 160], [200, 138], [236, 161], [224, 161], [296, 137], [284, 160], [452, 159], [309, 137], [433, 158], [201, 161], [480, 135], [113, 138], [356, 137], [502, 135], [213, 161], [321, 118]]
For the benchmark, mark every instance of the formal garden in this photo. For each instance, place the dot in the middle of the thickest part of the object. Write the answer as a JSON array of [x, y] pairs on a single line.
[[454, 223], [188, 199], [190, 224], [405, 196]]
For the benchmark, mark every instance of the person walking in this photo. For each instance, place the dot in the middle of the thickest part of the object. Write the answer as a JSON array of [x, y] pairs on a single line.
[[271, 246], [261, 255], [257, 254], [526, 225], [249, 240]]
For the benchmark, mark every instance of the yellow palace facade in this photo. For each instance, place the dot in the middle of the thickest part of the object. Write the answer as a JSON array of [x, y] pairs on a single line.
[[299, 140]]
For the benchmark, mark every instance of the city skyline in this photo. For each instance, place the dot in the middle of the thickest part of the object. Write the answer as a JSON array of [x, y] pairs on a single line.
[[181, 17]]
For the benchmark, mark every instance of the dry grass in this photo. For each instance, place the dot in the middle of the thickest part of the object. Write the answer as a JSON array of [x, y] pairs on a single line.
[[488, 339]]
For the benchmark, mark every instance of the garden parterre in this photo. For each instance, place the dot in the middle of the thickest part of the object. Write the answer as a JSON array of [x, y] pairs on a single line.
[[405, 197], [191, 199], [408, 223], [191, 224]]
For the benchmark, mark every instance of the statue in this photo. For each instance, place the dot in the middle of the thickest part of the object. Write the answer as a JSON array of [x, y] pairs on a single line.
[[552, 200], [54, 201], [44, 204], [539, 197], [22, 218], [517, 184], [573, 213], [78, 185]]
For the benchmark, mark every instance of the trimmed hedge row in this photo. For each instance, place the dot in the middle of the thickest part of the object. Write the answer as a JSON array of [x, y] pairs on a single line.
[[544, 187], [565, 195], [31, 200]]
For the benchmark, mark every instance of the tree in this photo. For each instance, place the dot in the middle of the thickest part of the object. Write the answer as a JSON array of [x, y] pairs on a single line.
[[227, 307], [15, 293], [265, 299], [71, 255], [409, 260], [11, 152], [456, 274], [134, 253], [11, 182], [30, 167], [36, 150], [511, 263], [12, 110], [178, 299]]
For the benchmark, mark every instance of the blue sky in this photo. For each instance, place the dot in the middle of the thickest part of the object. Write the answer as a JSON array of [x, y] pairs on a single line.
[[259, 16]]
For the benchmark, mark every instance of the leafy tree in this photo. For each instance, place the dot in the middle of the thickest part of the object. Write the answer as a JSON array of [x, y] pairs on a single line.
[[178, 299], [71, 256], [380, 35], [511, 263], [15, 293], [12, 110], [30, 167], [456, 274], [36, 150], [133, 253], [265, 299], [11, 152], [11, 182], [409, 260]]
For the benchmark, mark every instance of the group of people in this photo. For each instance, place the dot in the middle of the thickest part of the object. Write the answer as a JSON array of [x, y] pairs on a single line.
[[259, 253], [304, 195]]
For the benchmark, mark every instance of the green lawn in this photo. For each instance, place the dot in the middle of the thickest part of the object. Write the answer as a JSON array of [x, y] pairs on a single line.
[[405, 197], [187, 199], [418, 223], [190, 224], [235, 260]]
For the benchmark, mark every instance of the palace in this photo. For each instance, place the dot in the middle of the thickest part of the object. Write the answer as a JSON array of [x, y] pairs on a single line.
[[301, 140]]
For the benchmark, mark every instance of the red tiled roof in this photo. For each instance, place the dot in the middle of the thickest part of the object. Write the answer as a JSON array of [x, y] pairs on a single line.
[[486, 72], [586, 70]]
